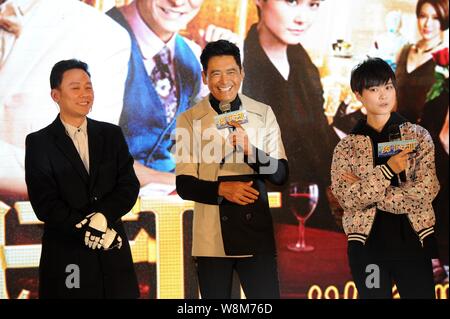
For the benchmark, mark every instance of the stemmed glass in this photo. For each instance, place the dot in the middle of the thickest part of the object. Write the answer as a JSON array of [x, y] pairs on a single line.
[[303, 198]]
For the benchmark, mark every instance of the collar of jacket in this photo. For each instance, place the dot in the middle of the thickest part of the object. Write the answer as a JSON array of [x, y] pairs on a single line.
[[215, 103], [361, 127], [204, 108], [95, 140]]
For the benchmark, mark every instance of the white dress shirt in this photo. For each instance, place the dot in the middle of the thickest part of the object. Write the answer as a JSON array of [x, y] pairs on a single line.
[[79, 137]]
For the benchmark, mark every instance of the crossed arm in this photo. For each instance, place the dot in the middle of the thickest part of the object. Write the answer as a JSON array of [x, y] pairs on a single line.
[[355, 193]]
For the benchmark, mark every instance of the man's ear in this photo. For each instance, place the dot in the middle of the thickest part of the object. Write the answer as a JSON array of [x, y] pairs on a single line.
[[204, 78], [358, 96], [55, 94]]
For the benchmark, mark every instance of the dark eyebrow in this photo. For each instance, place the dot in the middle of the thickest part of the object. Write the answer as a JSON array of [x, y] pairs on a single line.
[[227, 70], [79, 83], [234, 68]]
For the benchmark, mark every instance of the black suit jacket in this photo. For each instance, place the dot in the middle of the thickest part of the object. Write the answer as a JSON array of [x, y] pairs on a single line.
[[247, 229], [62, 193]]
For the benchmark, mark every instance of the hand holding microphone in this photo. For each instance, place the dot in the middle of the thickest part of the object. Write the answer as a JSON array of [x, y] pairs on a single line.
[[239, 139], [238, 136], [399, 162]]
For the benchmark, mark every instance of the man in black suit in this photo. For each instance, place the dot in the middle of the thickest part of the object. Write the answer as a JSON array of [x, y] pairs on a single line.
[[80, 181]]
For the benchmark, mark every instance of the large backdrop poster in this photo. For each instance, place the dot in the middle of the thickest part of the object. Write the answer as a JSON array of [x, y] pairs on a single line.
[[309, 94]]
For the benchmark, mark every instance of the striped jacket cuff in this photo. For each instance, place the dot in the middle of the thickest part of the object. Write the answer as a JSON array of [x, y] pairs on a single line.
[[425, 232], [357, 237], [387, 171]]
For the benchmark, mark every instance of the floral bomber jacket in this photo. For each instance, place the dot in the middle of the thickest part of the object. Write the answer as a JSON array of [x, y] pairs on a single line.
[[360, 200]]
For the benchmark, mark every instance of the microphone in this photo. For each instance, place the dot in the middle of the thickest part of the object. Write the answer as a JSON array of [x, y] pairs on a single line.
[[221, 120], [225, 106], [395, 135]]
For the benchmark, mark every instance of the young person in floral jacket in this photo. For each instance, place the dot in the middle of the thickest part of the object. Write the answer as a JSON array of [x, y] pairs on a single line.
[[388, 215]]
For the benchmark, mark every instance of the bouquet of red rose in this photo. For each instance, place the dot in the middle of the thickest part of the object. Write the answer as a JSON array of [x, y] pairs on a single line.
[[440, 74]]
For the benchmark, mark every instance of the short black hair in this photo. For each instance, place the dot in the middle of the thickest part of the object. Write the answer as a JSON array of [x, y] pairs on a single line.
[[60, 67], [219, 48], [371, 72]]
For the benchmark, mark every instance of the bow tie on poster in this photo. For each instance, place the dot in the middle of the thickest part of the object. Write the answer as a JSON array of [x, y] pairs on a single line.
[[164, 83]]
